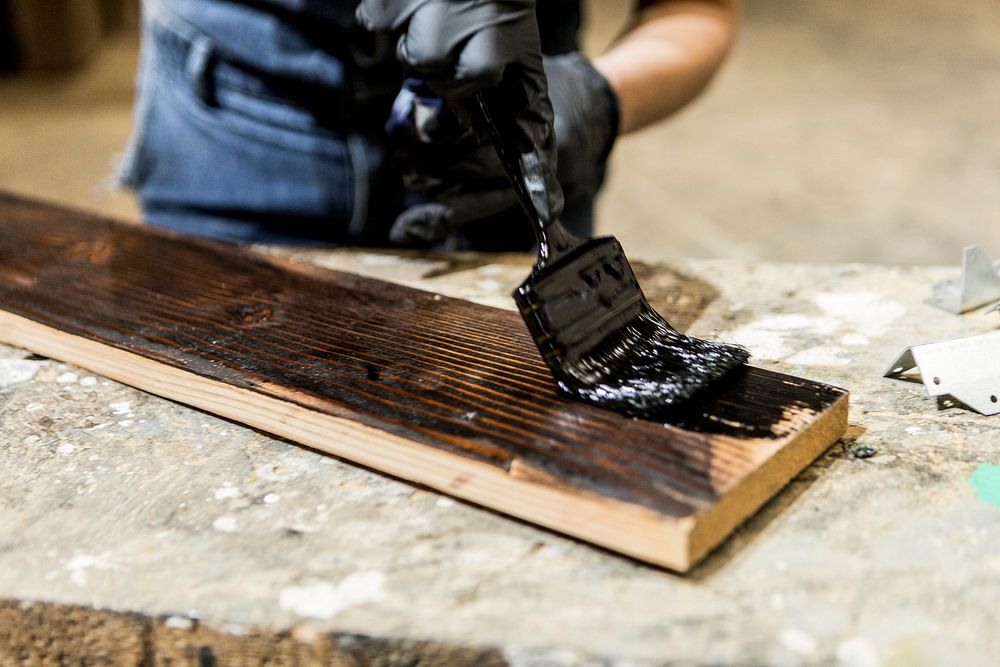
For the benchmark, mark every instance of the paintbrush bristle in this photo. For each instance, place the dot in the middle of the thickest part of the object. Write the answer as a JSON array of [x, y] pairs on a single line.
[[646, 367], [603, 341]]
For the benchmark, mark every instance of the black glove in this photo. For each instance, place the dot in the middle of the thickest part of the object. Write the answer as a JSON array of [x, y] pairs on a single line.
[[462, 179], [462, 46], [586, 124]]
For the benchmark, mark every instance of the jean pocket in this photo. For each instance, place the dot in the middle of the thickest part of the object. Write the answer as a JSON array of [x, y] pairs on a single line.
[[228, 97], [202, 141]]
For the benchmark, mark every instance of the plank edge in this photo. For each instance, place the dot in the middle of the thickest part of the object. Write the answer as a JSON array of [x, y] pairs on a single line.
[[626, 528], [764, 482]]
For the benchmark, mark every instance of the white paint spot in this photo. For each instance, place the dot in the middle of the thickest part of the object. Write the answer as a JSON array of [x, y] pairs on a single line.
[[767, 337], [88, 381], [324, 600], [379, 260], [67, 378], [862, 314], [857, 652], [125, 423], [121, 407], [13, 371], [30, 407], [489, 285], [823, 355], [237, 630], [227, 492], [854, 340], [521, 656], [271, 498], [80, 563], [178, 623], [99, 427], [31, 439], [225, 524], [65, 448], [444, 502], [797, 641], [870, 313], [914, 430]]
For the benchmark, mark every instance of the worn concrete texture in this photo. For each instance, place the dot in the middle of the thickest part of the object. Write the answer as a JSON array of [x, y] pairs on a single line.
[[117, 500], [857, 130]]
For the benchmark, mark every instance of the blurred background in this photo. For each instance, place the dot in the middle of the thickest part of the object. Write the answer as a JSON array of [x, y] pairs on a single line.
[[839, 131]]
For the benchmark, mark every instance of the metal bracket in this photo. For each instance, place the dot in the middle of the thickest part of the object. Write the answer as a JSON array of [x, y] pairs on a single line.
[[978, 285], [967, 369]]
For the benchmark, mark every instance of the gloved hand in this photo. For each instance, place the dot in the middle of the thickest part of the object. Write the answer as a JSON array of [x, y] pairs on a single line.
[[462, 179], [460, 47], [586, 124]]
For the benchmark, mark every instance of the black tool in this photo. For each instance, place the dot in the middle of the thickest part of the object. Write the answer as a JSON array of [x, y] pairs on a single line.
[[585, 310]]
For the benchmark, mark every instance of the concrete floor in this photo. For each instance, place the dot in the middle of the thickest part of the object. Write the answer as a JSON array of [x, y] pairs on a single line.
[[851, 131]]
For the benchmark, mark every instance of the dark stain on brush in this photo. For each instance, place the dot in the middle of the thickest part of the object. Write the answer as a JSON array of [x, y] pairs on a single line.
[[603, 341], [583, 305]]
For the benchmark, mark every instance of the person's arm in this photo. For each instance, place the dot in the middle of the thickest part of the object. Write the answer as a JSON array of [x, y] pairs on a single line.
[[668, 58]]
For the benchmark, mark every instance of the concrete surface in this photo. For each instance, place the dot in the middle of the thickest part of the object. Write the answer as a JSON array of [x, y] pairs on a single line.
[[858, 130], [220, 541]]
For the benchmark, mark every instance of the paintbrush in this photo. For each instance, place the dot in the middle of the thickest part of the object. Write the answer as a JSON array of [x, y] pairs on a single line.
[[585, 310]]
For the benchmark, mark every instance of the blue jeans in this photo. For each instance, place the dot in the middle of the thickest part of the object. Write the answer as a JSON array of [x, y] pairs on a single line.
[[247, 131]]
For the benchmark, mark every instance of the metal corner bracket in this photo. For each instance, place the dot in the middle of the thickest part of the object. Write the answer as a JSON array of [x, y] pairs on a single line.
[[967, 369], [978, 285]]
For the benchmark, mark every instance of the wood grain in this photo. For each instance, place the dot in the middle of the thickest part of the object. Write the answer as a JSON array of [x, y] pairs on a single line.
[[431, 389]]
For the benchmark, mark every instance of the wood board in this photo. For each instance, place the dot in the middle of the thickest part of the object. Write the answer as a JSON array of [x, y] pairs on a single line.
[[427, 388]]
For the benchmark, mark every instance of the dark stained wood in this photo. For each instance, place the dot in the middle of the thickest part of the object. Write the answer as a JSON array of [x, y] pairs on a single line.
[[459, 378]]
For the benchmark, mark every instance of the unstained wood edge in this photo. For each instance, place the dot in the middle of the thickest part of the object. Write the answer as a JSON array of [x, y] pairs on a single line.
[[625, 528], [763, 482]]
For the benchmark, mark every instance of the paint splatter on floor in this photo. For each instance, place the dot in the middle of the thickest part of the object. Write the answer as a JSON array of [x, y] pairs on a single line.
[[324, 600], [986, 481], [13, 371]]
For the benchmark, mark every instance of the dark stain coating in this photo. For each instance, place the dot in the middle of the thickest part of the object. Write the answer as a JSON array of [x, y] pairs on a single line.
[[438, 361]]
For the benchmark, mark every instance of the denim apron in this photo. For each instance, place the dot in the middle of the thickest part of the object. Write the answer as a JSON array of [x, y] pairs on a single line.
[[262, 121]]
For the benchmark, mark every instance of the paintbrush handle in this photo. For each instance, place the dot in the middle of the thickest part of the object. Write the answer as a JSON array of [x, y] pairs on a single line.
[[552, 237]]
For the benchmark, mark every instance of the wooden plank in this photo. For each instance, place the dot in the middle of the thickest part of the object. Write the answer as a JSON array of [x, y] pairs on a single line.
[[427, 388]]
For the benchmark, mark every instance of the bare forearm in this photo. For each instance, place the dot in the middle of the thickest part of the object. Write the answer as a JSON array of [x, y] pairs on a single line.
[[668, 58]]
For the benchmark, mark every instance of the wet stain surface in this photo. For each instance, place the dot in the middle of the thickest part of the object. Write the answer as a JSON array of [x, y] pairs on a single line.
[[450, 374]]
